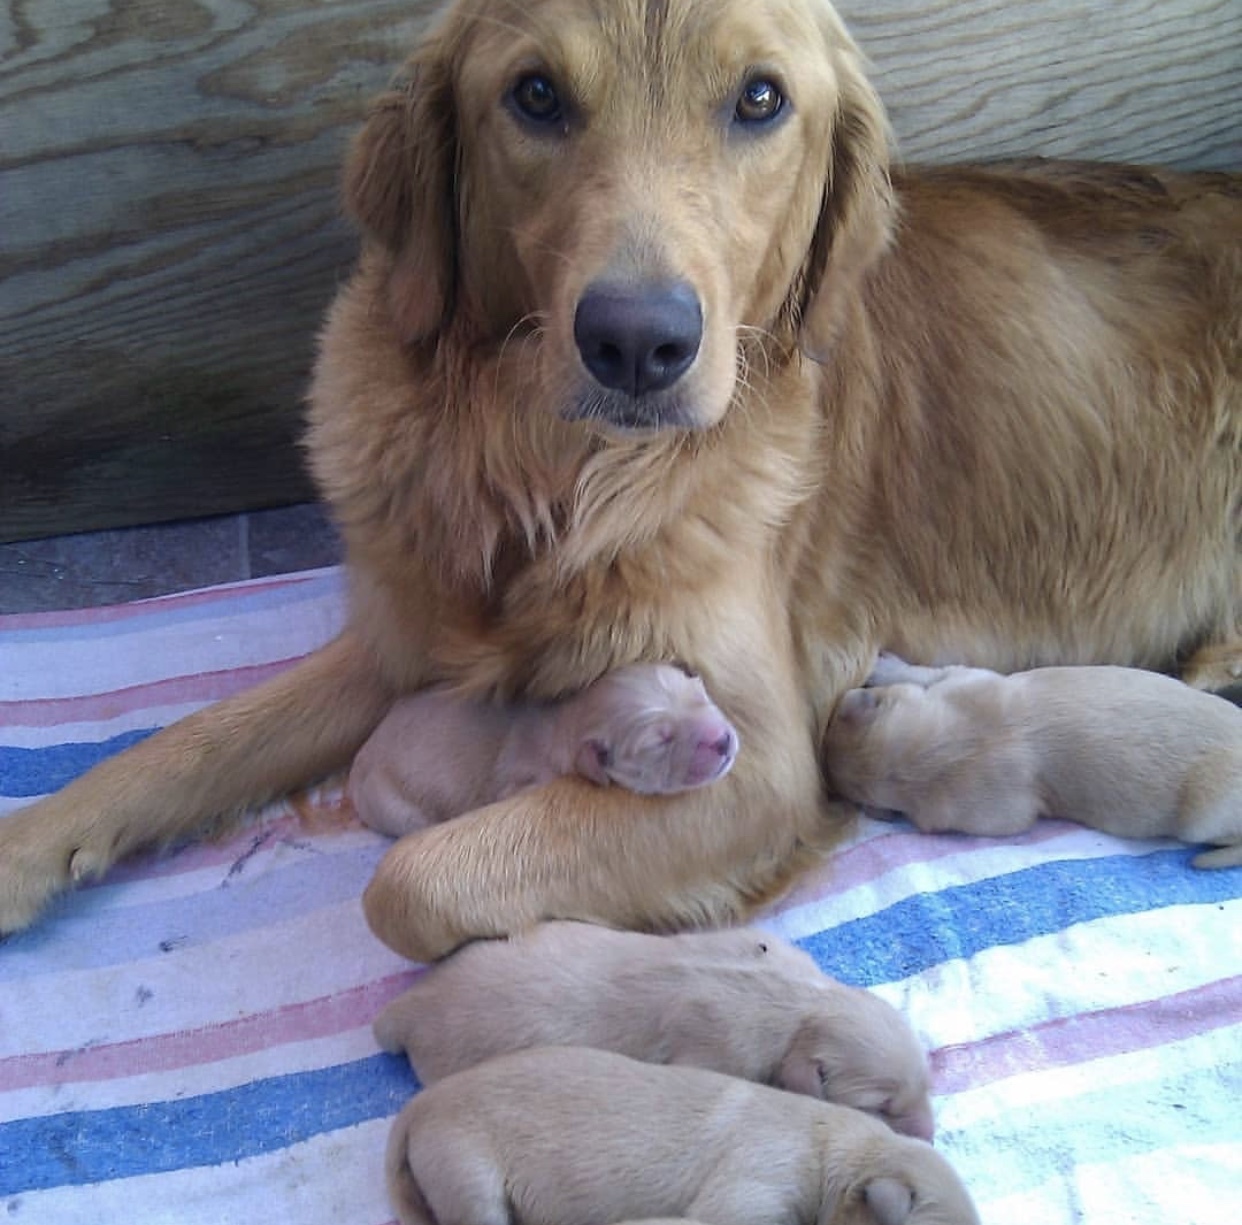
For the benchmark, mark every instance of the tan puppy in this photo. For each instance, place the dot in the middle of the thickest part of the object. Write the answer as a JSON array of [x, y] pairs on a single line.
[[571, 1136], [737, 1001], [649, 727], [1133, 753], [651, 353]]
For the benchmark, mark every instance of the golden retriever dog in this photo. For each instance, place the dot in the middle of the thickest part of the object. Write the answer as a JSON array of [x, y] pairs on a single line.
[[1133, 753], [652, 353], [573, 1136], [649, 727], [736, 1001]]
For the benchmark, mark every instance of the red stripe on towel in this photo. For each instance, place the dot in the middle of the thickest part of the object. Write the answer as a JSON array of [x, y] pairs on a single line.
[[1086, 1036], [319, 1018]]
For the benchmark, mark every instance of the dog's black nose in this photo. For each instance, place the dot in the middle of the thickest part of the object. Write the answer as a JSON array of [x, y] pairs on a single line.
[[638, 340]]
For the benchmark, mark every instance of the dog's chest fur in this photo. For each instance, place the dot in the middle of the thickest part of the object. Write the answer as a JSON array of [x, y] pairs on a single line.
[[529, 557], [643, 565]]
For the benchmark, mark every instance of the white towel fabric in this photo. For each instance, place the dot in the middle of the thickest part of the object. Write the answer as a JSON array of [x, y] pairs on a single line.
[[189, 1042]]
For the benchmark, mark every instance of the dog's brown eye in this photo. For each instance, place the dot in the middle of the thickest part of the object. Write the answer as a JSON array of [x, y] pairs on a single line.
[[536, 98], [760, 101]]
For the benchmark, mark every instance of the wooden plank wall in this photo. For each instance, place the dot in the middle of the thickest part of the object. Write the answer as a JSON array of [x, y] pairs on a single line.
[[169, 231]]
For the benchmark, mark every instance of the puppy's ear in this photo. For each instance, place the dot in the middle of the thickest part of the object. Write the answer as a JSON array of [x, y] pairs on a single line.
[[889, 1200], [399, 186], [801, 1069], [592, 761], [858, 212]]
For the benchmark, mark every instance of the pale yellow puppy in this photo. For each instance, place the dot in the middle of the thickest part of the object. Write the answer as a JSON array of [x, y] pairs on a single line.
[[648, 727], [574, 1136], [1133, 753], [737, 1001]]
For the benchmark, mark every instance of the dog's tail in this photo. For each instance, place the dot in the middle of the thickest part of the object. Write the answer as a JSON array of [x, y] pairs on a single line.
[[1221, 857]]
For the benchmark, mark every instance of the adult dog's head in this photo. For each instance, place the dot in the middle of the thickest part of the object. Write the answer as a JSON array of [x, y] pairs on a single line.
[[644, 189]]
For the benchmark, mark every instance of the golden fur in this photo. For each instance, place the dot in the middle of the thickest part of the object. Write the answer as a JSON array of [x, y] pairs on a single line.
[[984, 414]]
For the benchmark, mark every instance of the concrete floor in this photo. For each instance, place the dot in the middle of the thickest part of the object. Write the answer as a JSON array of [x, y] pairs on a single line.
[[111, 567]]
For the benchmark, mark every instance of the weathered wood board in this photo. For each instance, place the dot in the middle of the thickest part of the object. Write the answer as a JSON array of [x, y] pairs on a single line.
[[169, 229]]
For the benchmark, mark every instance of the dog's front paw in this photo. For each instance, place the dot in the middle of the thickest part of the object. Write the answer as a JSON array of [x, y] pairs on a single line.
[[423, 901], [33, 869]]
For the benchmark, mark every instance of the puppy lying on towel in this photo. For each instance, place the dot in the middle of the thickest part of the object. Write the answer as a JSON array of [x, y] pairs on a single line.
[[1133, 753], [737, 1001], [648, 727], [572, 1136]]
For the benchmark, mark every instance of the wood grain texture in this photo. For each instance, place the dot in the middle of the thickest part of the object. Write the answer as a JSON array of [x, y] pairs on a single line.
[[169, 229], [169, 239], [1155, 81]]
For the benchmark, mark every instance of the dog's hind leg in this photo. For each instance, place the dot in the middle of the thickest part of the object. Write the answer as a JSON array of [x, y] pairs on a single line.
[[211, 766]]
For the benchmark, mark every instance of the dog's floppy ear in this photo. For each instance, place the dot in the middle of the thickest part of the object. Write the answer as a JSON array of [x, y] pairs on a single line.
[[857, 213], [399, 186]]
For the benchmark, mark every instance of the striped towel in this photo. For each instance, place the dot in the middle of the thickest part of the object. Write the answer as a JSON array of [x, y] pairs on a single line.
[[188, 1042]]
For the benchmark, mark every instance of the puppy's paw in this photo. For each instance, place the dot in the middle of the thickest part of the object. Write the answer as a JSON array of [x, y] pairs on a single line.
[[1219, 857]]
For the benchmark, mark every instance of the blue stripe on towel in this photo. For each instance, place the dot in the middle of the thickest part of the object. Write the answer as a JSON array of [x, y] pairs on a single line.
[[30, 772], [77, 1148], [81, 1147], [962, 920]]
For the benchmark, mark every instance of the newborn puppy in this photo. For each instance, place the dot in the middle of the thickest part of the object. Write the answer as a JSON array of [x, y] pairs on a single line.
[[572, 1136], [1133, 753], [648, 727], [737, 1001]]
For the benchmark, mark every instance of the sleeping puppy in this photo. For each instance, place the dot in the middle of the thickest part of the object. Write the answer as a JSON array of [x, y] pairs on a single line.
[[737, 1001], [1133, 753], [573, 1136], [648, 727]]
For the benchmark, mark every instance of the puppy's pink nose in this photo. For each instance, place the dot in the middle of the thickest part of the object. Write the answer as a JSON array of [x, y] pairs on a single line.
[[724, 745]]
